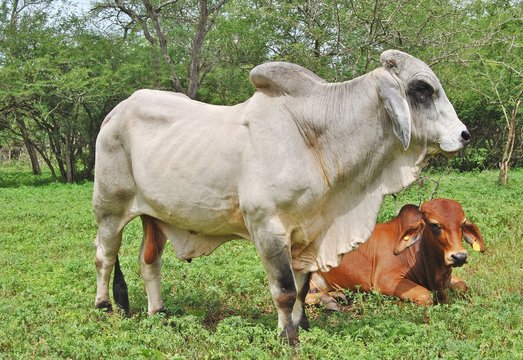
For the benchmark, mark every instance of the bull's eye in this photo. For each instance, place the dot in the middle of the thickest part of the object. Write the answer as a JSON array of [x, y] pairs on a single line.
[[420, 91], [435, 228]]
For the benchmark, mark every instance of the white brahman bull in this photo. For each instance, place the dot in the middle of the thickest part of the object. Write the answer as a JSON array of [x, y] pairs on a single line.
[[300, 169]]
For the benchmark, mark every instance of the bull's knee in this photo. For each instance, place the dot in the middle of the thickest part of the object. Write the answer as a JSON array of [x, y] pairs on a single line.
[[423, 299], [286, 300], [284, 291]]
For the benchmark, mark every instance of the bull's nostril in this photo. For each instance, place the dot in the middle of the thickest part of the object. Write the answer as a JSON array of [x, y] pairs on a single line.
[[465, 135], [459, 258]]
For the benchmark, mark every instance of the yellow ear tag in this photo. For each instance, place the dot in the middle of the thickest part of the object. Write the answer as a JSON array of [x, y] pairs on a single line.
[[475, 246], [406, 238]]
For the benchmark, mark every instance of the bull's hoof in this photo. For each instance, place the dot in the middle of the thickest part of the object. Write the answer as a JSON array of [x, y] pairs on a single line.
[[123, 312], [291, 334], [104, 305], [340, 296], [332, 306], [160, 311], [304, 323]]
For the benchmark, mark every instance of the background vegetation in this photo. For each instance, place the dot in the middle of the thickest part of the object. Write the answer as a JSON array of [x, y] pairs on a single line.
[[219, 306], [63, 69]]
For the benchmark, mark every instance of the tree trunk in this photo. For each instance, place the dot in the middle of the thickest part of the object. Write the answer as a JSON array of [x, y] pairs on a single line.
[[504, 165], [196, 49], [162, 41], [69, 160], [35, 165], [93, 129]]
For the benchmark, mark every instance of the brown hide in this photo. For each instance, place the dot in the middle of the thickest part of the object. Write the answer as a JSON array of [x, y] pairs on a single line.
[[428, 243]]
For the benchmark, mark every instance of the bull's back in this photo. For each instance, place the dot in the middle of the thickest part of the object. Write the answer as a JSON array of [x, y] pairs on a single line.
[[179, 158]]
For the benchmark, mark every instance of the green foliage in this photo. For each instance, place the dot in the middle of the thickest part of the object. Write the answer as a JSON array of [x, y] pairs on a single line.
[[486, 79], [17, 174], [61, 79], [219, 306], [61, 74]]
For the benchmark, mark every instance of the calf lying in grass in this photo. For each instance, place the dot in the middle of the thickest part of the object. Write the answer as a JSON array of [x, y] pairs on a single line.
[[409, 257]]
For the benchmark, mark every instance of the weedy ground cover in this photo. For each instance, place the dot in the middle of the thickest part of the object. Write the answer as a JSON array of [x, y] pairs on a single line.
[[219, 306]]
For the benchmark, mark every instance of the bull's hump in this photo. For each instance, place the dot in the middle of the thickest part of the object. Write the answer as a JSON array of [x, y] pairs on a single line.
[[284, 78]]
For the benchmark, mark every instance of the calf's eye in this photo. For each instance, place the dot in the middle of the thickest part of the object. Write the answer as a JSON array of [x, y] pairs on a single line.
[[435, 228]]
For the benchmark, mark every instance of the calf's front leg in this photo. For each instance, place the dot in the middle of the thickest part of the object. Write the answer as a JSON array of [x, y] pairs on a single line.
[[458, 284], [409, 290]]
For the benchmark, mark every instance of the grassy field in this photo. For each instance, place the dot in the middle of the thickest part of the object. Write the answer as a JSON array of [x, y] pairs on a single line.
[[219, 306]]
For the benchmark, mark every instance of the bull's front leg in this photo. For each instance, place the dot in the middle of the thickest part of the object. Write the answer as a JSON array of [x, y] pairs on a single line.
[[272, 244], [299, 318]]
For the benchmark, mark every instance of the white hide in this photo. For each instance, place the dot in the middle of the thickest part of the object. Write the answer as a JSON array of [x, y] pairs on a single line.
[[306, 159]]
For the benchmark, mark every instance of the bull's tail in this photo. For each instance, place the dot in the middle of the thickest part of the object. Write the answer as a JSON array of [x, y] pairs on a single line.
[[120, 294]]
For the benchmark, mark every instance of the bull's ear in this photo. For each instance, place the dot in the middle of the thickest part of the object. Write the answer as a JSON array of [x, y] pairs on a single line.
[[472, 235], [396, 105], [409, 237]]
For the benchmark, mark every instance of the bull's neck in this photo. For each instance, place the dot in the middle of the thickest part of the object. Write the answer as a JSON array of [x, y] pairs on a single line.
[[431, 264], [347, 127]]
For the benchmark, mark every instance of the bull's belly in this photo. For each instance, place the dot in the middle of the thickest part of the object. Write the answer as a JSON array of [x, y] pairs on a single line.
[[194, 228], [216, 217], [189, 244]]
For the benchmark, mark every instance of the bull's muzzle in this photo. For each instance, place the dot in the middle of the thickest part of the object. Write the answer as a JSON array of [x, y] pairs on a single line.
[[456, 138], [465, 137], [458, 259]]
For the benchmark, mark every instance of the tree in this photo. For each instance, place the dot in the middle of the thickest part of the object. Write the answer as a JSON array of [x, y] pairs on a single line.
[[167, 26], [61, 75], [60, 86], [15, 22], [487, 73]]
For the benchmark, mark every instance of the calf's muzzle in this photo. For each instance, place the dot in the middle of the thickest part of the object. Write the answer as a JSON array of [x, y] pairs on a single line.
[[459, 259]]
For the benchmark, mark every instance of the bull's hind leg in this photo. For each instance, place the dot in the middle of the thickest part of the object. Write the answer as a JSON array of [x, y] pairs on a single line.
[[107, 243], [151, 262]]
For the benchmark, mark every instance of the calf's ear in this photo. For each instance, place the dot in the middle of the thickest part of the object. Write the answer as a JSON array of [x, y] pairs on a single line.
[[408, 237], [396, 105], [472, 235]]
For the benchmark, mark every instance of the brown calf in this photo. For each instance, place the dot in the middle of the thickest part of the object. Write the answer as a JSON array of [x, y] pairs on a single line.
[[409, 257]]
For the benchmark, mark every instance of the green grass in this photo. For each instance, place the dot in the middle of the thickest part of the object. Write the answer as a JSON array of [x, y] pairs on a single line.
[[220, 307]]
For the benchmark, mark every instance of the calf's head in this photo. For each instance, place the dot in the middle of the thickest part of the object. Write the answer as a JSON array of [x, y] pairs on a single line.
[[418, 106], [441, 224]]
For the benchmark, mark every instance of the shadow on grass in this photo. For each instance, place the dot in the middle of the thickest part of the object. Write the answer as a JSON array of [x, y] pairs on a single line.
[[17, 174], [9, 179]]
